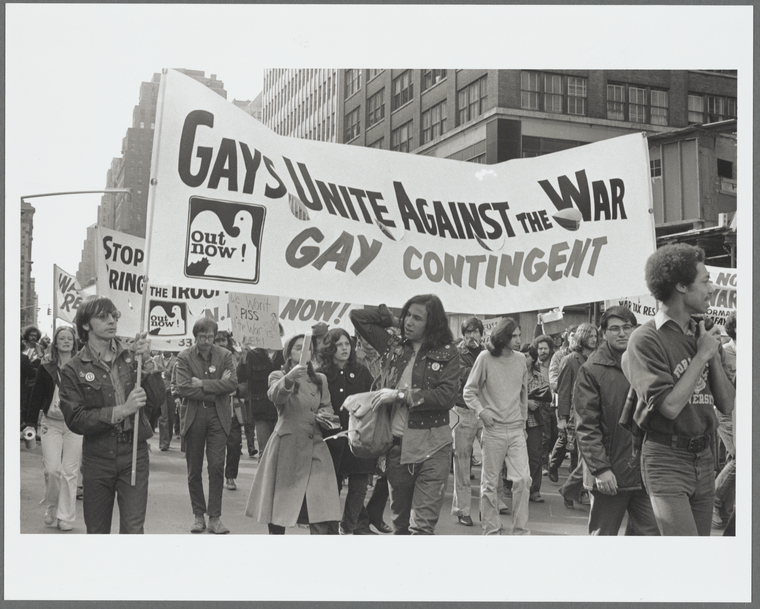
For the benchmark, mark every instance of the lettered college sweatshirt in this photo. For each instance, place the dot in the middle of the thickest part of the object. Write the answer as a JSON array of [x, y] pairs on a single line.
[[499, 385]]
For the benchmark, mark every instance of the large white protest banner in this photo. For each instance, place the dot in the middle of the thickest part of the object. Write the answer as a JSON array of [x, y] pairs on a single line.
[[235, 207], [722, 300], [67, 295]]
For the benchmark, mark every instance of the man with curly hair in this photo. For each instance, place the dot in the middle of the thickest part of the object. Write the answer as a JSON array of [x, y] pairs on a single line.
[[674, 364]]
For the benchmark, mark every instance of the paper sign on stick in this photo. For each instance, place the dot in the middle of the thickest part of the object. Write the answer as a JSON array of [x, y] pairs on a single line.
[[254, 320]]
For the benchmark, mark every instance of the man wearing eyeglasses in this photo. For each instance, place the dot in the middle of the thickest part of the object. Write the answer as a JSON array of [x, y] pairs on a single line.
[[98, 400], [609, 471], [206, 377]]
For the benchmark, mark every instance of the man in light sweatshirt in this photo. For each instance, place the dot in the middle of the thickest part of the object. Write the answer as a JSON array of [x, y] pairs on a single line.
[[497, 390]]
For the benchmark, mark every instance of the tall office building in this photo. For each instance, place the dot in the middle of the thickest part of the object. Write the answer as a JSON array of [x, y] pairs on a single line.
[[28, 292], [301, 103]]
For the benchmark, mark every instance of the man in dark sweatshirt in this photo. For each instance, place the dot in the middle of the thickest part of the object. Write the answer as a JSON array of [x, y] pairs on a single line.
[[674, 365]]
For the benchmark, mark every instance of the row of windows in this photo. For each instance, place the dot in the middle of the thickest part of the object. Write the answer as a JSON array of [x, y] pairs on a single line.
[[402, 84], [321, 94], [471, 103], [562, 94], [725, 168]]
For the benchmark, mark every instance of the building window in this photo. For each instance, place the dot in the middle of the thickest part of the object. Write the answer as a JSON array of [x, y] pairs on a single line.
[[376, 143], [403, 90], [655, 168], [376, 108], [433, 122], [720, 108], [401, 138], [530, 90], [658, 107], [553, 93], [696, 109], [616, 102], [725, 169], [353, 125], [637, 104], [431, 77], [373, 73], [576, 95], [472, 100], [353, 82]]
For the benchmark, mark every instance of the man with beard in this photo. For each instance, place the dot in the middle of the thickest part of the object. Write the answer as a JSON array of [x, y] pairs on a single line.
[[674, 364], [468, 426], [609, 470]]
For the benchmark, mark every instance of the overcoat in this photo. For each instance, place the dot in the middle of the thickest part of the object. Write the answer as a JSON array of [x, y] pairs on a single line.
[[296, 463]]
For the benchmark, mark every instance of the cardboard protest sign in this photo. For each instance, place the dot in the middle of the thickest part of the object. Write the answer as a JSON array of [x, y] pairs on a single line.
[[67, 295], [722, 301], [254, 320], [255, 212]]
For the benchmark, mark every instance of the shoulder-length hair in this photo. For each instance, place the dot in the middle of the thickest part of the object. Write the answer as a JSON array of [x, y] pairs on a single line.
[[502, 336], [229, 343], [52, 351], [329, 349], [288, 365], [582, 334], [437, 330], [92, 306]]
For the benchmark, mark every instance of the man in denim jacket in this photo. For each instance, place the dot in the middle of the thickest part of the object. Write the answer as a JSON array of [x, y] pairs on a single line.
[[420, 384], [98, 400]]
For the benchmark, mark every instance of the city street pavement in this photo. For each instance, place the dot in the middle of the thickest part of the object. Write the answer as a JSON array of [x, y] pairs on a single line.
[[169, 503]]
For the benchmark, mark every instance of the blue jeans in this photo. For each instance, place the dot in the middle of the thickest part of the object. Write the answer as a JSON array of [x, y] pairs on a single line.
[[417, 491], [206, 432], [681, 487], [504, 444], [464, 433], [104, 479], [607, 513]]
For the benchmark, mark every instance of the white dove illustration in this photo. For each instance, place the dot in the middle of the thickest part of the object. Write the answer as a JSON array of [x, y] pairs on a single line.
[[227, 256], [176, 326]]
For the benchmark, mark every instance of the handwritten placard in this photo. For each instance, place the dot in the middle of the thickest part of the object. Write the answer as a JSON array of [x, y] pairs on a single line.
[[254, 320]]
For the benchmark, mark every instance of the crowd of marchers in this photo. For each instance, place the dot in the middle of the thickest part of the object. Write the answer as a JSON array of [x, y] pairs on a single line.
[[645, 414]]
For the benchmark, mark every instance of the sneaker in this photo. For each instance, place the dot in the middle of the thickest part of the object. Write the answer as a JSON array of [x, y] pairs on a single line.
[[382, 527], [50, 516], [465, 520], [215, 526], [199, 525], [64, 526], [536, 498], [231, 486]]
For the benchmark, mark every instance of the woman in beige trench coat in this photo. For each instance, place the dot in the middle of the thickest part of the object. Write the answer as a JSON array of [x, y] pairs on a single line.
[[295, 481]]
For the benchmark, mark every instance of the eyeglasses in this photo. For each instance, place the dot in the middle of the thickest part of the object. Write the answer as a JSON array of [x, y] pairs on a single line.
[[104, 316], [617, 329], [205, 338]]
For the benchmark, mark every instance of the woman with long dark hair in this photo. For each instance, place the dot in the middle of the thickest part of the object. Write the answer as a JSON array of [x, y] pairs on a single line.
[[61, 447], [419, 385], [295, 482], [345, 377]]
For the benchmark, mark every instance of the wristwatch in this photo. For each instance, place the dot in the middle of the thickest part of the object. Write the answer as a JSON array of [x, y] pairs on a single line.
[[401, 395]]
